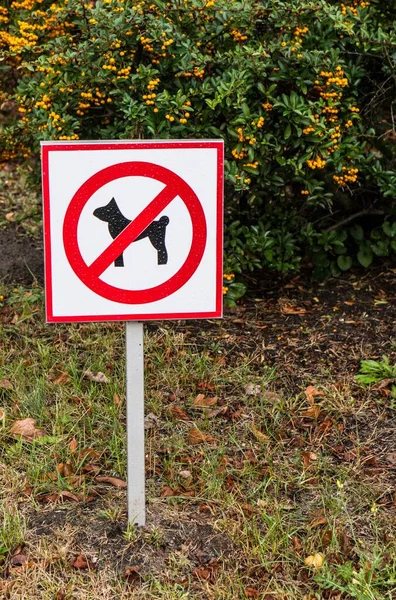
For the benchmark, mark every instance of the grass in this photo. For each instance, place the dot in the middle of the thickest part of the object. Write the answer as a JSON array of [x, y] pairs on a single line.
[[234, 517], [280, 479]]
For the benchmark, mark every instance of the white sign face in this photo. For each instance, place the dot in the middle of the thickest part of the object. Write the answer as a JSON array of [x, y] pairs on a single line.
[[133, 230]]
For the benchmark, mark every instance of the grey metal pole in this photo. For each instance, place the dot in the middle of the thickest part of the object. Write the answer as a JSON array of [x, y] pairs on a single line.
[[135, 423]]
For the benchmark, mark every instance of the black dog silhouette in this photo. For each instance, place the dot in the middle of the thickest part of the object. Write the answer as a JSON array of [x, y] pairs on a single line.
[[156, 231]]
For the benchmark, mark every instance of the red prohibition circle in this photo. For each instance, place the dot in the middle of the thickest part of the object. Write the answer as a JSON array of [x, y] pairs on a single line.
[[174, 186]]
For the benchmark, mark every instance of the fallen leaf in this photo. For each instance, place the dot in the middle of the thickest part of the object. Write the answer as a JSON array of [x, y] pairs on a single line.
[[290, 309], [90, 468], [311, 392], [317, 522], [215, 412], [27, 429], [313, 412], [10, 216], [251, 592], [73, 445], [205, 386], [308, 458], [80, 562], [116, 399], [259, 435], [201, 573], [195, 436], [5, 384], [167, 492], [17, 560], [315, 560], [297, 544], [252, 389], [327, 538], [202, 401], [66, 495], [132, 574], [178, 413], [185, 474], [119, 483], [61, 379], [98, 377], [56, 497]]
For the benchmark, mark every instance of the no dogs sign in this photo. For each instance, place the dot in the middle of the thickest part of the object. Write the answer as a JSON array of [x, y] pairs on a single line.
[[133, 230]]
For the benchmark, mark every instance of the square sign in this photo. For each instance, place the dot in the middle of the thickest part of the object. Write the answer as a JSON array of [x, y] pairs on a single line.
[[133, 230]]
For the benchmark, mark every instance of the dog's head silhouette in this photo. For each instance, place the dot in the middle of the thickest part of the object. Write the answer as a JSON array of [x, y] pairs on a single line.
[[105, 213]]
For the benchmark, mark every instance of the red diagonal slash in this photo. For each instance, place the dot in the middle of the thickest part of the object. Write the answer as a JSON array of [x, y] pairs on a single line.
[[131, 232]]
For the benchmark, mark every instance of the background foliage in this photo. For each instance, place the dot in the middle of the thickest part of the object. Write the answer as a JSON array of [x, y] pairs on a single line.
[[302, 92]]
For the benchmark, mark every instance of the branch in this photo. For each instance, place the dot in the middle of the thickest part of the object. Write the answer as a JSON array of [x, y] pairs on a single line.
[[362, 213]]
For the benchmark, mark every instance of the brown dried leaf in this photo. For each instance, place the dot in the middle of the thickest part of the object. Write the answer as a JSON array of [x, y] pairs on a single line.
[[81, 562], [61, 379], [116, 399], [251, 592], [27, 429], [317, 522], [167, 492], [116, 481], [308, 458], [313, 412], [290, 309], [202, 573], [98, 377], [202, 401], [259, 435], [297, 544], [132, 574], [65, 495], [252, 389], [195, 436], [17, 560], [5, 384], [178, 413], [311, 392], [73, 445]]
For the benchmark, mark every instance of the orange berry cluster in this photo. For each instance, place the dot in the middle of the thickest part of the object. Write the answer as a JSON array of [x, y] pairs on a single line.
[[316, 163], [308, 130], [238, 155], [349, 176], [3, 15], [238, 36], [260, 122], [353, 8]]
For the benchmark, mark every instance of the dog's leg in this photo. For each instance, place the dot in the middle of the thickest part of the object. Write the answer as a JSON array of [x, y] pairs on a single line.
[[157, 238], [119, 261]]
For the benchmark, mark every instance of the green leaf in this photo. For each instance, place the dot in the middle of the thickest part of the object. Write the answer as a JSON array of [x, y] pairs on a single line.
[[344, 262], [389, 229], [365, 256], [357, 232], [287, 132]]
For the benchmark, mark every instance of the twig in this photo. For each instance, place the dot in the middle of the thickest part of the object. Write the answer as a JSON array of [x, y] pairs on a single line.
[[362, 213]]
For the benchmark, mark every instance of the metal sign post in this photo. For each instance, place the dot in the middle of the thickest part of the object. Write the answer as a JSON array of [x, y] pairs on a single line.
[[135, 423]]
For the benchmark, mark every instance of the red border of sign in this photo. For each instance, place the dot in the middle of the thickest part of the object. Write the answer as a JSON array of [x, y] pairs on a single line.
[[48, 147]]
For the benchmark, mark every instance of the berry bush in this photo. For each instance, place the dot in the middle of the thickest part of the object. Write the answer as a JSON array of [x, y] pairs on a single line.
[[302, 92]]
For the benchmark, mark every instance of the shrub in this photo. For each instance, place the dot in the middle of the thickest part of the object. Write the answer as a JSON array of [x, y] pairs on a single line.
[[300, 91]]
